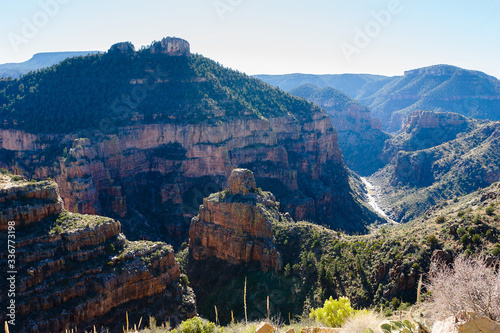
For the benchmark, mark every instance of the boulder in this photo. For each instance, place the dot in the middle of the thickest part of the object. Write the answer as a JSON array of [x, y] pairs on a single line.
[[470, 323], [264, 328]]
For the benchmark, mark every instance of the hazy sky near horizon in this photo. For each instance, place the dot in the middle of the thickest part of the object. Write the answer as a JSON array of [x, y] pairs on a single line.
[[269, 36]]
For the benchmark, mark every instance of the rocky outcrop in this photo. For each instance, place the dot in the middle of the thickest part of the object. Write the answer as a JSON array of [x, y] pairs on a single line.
[[428, 119], [466, 323], [171, 46], [79, 270], [43, 196], [236, 224], [427, 129], [124, 47]]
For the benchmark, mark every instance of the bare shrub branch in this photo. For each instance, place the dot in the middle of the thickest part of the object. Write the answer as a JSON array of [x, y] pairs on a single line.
[[470, 285]]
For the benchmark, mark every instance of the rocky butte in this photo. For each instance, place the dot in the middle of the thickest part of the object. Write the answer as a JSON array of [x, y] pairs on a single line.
[[235, 225], [79, 270]]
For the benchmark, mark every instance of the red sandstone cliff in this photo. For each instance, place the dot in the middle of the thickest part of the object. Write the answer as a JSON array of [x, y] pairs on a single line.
[[174, 166], [79, 270]]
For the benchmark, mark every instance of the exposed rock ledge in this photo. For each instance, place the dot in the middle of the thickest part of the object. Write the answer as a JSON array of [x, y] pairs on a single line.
[[79, 270]]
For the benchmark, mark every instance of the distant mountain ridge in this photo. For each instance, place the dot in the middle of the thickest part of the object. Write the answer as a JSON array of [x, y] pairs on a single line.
[[350, 84], [442, 88], [38, 61]]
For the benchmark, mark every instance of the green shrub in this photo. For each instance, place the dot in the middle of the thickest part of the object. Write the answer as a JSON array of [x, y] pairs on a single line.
[[490, 210], [464, 239], [197, 325], [440, 219], [334, 312], [461, 213], [388, 312], [431, 240], [184, 280], [416, 266], [476, 239], [56, 230], [288, 270], [461, 231], [395, 303]]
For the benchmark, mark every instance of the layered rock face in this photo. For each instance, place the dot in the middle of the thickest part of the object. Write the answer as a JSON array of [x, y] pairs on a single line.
[[162, 171], [79, 270], [44, 201], [235, 225], [167, 130]]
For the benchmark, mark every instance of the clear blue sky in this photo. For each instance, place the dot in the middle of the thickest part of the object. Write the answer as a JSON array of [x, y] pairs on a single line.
[[269, 36]]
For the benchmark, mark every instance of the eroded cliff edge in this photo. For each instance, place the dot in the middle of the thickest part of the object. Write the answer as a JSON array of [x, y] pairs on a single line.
[[79, 270]]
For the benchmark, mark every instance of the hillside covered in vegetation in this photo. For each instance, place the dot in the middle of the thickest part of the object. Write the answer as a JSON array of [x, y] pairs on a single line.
[[122, 87], [380, 270]]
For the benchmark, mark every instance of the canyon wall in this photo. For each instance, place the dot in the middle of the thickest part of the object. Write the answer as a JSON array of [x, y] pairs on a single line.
[[78, 270], [161, 172]]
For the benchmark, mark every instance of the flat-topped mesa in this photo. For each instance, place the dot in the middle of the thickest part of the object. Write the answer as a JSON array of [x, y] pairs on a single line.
[[426, 129], [447, 121], [172, 46], [235, 225]]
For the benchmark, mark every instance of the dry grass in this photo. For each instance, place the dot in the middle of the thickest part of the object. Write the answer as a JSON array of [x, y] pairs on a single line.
[[154, 328], [241, 327], [362, 320]]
